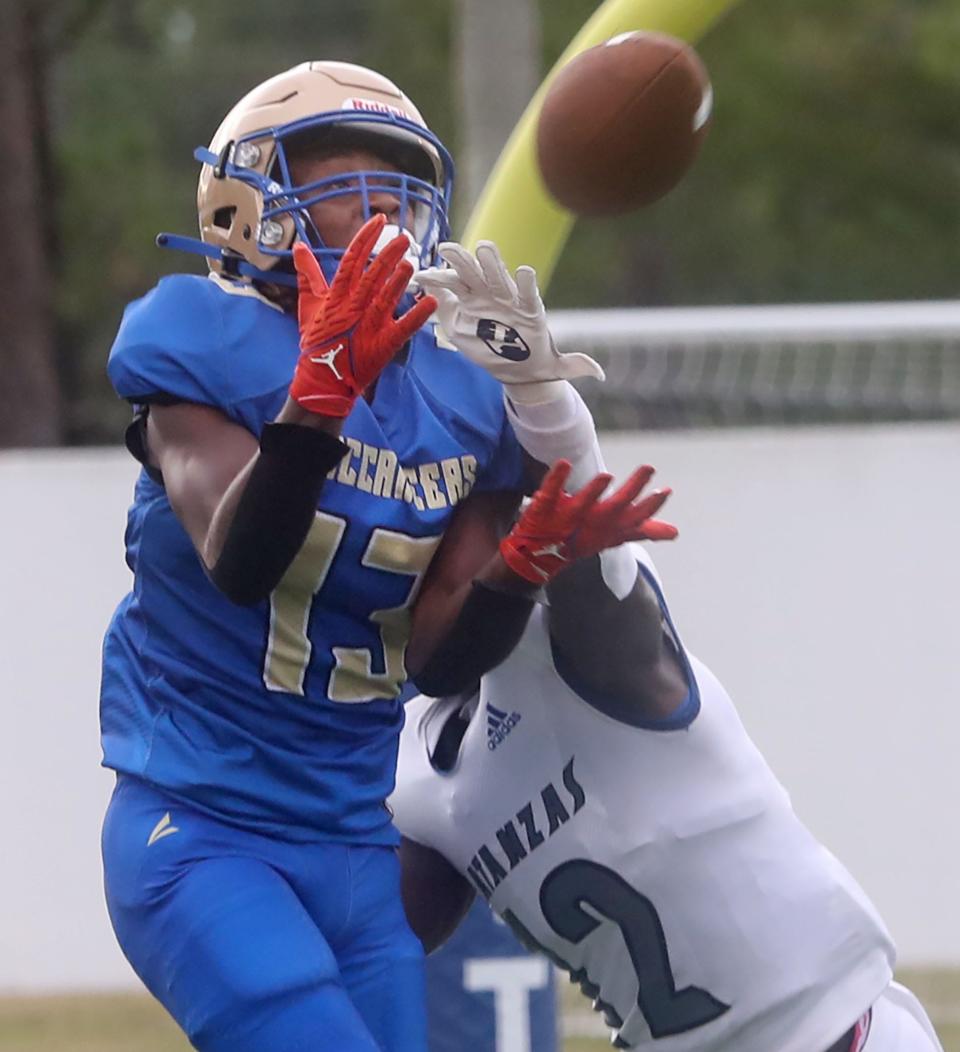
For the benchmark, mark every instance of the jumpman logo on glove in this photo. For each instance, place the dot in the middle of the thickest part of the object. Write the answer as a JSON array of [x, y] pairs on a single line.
[[555, 550], [328, 358]]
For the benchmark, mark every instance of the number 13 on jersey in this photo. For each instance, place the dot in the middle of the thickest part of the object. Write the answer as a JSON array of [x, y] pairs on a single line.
[[353, 678]]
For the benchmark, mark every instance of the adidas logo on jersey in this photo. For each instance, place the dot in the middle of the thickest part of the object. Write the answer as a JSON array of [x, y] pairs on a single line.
[[499, 725]]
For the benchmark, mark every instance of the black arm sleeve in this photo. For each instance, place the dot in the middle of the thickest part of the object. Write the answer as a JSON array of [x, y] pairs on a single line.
[[488, 627], [276, 510]]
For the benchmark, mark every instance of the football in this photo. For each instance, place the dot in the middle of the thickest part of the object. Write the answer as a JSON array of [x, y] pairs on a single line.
[[622, 122]]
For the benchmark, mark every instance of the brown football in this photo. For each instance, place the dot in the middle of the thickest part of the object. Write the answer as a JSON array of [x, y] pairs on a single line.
[[622, 122]]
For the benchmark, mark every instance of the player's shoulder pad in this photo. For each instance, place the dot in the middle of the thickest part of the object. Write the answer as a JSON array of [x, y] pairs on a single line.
[[471, 403], [189, 338], [462, 386], [414, 785]]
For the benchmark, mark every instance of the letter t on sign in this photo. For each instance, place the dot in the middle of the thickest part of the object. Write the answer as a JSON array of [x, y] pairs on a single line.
[[510, 979]]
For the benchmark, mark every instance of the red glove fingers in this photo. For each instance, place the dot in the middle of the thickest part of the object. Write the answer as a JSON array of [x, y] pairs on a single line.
[[586, 499], [311, 283], [380, 333], [322, 308], [347, 330], [415, 318], [631, 489], [557, 528], [536, 547], [552, 485], [618, 519], [384, 264], [351, 267], [380, 312]]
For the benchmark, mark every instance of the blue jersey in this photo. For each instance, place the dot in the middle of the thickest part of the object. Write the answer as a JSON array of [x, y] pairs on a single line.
[[284, 716]]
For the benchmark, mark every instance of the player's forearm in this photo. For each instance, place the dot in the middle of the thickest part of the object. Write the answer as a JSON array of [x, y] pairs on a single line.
[[264, 516], [469, 552], [559, 429], [225, 511], [469, 630]]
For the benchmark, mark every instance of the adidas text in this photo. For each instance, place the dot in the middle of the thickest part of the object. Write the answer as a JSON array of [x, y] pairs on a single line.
[[499, 725]]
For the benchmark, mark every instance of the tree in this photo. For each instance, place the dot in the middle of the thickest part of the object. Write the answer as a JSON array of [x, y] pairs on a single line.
[[29, 391], [832, 170]]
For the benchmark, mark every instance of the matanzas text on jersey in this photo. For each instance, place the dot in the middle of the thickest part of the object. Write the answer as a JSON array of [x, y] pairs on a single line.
[[524, 832]]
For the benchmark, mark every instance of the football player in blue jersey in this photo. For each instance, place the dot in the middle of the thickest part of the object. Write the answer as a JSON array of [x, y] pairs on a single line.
[[305, 446]]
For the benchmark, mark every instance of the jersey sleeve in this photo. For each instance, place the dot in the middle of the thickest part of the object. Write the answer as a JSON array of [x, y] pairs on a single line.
[[688, 709], [504, 470], [170, 347], [414, 796], [470, 403]]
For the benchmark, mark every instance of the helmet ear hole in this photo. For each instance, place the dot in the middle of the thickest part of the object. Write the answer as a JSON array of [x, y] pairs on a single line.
[[223, 217]]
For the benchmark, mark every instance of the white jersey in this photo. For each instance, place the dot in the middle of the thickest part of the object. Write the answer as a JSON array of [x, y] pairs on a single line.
[[662, 867]]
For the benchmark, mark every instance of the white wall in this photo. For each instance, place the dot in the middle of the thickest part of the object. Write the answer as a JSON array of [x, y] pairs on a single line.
[[815, 572], [61, 574]]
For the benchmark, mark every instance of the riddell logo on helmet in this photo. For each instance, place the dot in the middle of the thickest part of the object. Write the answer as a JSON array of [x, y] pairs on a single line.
[[372, 106]]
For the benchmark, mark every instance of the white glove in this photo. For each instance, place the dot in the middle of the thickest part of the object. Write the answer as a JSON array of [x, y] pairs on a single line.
[[500, 323]]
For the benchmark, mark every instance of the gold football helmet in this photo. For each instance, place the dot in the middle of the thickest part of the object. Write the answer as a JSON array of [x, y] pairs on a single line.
[[251, 212]]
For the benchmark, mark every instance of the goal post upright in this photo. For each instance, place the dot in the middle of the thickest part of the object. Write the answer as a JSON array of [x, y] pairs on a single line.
[[514, 209]]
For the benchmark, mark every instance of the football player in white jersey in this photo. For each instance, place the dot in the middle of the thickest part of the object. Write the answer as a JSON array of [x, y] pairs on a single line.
[[599, 791]]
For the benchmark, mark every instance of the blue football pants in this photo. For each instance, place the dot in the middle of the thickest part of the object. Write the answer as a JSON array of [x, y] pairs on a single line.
[[254, 944]]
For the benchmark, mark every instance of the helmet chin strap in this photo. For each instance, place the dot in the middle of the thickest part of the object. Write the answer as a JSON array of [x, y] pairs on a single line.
[[232, 265]]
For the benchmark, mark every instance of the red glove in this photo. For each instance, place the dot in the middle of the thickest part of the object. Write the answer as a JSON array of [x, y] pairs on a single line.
[[557, 528], [618, 519], [348, 332]]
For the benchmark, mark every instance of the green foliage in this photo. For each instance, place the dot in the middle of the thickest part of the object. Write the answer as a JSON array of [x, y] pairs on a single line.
[[831, 172], [147, 83]]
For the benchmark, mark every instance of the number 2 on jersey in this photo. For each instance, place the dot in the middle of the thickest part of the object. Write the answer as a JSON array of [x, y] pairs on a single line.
[[573, 885], [289, 648]]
